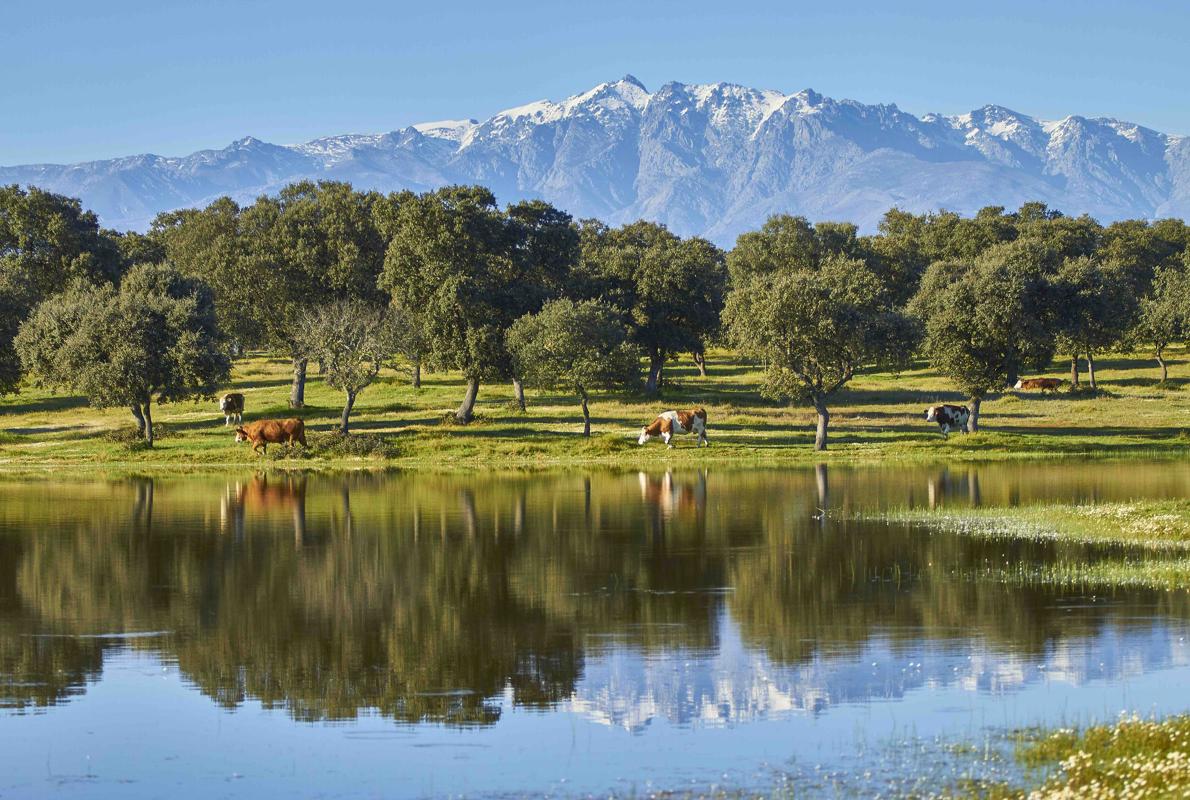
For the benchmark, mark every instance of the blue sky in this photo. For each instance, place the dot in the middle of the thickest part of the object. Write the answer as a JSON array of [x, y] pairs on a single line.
[[97, 79]]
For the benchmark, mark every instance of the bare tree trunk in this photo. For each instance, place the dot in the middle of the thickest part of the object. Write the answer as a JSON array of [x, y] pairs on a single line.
[[1013, 376], [147, 413], [824, 420], [1161, 361], [466, 410], [973, 420], [1074, 370], [700, 360], [518, 389], [347, 412], [140, 419], [1091, 369], [586, 414], [416, 373], [656, 364], [297, 392]]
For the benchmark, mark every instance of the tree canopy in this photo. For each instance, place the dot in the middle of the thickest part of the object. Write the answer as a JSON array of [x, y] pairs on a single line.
[[814, 328], [154, 339], [577, 346], [669, 290], [987, 319], [351, 340]]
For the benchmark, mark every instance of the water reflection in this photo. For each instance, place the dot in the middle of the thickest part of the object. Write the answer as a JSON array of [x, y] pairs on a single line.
[[693, 596]]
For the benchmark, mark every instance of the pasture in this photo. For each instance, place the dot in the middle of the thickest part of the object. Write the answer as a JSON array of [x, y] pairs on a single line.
[[878, 416]]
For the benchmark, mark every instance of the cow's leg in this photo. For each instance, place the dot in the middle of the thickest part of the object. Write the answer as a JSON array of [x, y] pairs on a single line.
[[945, 429], [665, 437]]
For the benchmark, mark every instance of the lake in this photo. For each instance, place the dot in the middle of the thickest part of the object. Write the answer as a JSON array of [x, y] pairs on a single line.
[[409, 635]]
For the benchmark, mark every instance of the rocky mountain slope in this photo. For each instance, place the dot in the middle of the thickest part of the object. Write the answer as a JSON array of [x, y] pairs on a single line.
[[713, 159]]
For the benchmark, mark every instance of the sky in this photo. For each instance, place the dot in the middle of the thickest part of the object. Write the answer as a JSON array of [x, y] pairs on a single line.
[[89, 79]]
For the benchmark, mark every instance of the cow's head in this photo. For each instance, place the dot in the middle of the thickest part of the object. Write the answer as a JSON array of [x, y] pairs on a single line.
[[644, 435], [1020, 384], [932, 414], [241, 435]]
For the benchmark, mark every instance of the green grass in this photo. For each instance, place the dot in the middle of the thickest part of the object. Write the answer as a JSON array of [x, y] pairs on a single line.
[[879, 417], [1133, 758]]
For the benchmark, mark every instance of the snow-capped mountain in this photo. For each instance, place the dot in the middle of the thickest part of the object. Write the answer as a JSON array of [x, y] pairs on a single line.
[[713, 159]]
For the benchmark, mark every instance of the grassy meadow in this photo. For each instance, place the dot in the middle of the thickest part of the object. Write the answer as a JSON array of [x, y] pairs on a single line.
[[878, 417]]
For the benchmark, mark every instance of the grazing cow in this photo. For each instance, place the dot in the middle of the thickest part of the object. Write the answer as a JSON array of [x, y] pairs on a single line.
[[232, 406], [1045, 384], [671, 423], [949, 418], [264, 432]]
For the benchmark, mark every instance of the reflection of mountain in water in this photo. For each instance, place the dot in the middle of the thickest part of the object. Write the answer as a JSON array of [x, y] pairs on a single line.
[[735, 683], [427, 598]]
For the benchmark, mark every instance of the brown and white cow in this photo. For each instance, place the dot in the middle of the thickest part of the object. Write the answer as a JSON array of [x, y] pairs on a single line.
[[949, 418], [673, 423], [264, 432], [1045, 384], [232, 406]]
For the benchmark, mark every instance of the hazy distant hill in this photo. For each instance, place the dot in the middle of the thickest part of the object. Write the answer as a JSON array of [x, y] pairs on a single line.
[[711, 159]]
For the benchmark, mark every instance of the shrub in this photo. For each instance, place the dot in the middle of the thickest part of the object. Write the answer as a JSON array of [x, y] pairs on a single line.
[[352, 445]]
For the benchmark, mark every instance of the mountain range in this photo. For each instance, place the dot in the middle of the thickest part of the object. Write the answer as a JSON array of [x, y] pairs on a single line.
[[707, 159]]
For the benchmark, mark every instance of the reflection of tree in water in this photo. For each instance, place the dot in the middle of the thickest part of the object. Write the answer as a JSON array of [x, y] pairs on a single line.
[[838, 584], [426, 598]]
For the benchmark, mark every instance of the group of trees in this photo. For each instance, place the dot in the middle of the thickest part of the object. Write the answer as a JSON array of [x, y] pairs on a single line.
[[450, 280], [982, 299]]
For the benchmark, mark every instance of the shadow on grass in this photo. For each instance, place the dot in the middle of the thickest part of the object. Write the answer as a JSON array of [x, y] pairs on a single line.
[[42, 430], [262, 383], [63, 403]]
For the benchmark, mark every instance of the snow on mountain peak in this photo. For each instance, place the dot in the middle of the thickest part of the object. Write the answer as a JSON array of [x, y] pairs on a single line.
[[710, 159], [454, 130]]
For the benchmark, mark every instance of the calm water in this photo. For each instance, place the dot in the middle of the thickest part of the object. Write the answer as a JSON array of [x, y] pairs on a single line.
[[391, 635]]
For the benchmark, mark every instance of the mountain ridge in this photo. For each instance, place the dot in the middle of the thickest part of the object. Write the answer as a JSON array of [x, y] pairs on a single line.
[[708, 159]]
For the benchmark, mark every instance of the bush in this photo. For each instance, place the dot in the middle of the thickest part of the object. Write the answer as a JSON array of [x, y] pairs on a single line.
[[609, 443], [286, 451], [130, 436], [352, 445], [449, 420]]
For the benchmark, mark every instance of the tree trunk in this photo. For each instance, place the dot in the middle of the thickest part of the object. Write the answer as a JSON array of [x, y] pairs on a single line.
[[824, 420], [700, 360], [1091, 369], [1074, 370], [1013, 376], [973, 420], [518, 389], [347, 412], [466, 409], [147, 413], [140, 419], [586, 414], [656, 364], [297, 392], [1161, 361], [416, 373]]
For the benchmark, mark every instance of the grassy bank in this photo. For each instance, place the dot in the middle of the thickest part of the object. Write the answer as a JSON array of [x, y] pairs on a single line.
[[1144, 543], [1133, 758], [879, 417]]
